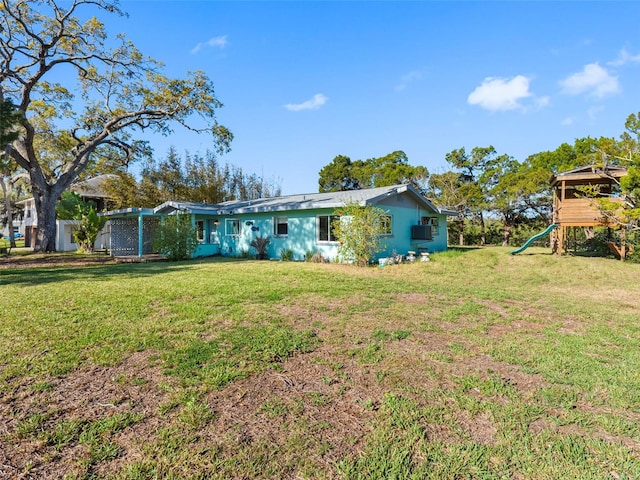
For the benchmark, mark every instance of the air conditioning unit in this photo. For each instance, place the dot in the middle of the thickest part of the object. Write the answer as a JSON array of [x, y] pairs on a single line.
[[421, 232]]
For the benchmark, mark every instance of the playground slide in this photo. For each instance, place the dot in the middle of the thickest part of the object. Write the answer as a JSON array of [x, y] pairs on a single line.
[[528, 243]]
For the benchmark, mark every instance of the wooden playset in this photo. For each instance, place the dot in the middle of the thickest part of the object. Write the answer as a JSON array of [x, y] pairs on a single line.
[[572, 208]]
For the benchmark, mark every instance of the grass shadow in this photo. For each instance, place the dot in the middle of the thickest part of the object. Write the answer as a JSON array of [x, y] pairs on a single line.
[[51, 274]]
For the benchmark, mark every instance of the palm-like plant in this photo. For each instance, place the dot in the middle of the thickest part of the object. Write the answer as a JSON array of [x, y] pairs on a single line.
[[261, 244]]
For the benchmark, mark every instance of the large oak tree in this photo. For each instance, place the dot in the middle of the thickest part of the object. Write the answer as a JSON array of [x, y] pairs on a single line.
[[471, 167], [109, 93]]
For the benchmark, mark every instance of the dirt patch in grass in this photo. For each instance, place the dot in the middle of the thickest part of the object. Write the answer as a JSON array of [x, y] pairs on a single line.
[[68, 405], [311, 393], [308, 395], [480, 427], [323, 404], [509, 375]]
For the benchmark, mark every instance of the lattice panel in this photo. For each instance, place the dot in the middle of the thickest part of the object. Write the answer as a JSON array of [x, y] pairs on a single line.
[[124, 236]]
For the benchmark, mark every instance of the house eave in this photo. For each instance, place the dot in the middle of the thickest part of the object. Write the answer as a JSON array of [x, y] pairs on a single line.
[[171, 206], [409, 190], [280, 208], [127, 212], [25, 201]]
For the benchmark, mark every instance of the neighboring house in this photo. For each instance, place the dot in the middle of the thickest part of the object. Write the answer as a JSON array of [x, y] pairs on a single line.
[[18, 228], [90, 189], [300, 223]]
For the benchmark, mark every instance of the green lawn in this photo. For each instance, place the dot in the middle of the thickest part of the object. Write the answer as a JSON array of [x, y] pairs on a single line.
[[477, 364]]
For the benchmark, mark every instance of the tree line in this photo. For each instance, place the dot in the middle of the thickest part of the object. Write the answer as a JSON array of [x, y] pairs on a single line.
[[198, 178], [499, 199], [344, 174]]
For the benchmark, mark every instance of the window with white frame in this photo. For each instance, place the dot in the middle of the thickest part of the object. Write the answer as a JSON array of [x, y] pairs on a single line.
[[432, 222], [385, 225], [233, 226], [325, 228], [280, 226]]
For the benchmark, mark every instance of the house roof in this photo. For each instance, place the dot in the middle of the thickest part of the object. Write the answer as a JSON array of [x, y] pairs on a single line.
[[92, 187], [190, 207], [589, 172], [307, 201]]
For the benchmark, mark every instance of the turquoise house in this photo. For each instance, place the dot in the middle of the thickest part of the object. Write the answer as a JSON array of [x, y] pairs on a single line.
[[301, 224]]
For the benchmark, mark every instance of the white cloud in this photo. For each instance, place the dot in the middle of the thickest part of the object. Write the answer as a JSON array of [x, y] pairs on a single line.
[[499, 94], [624, 57], [593, 79], [220, 42], [405, 80], [312, 104], [542, 102], [567, 121]]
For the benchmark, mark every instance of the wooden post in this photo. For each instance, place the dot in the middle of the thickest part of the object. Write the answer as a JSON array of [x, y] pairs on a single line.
[[557, 235], [563, 229]]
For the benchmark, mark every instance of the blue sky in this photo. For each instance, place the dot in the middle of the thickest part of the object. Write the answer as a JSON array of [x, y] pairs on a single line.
[[302, 82]]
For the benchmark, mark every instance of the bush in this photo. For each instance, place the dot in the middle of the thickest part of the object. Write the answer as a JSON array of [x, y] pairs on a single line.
[[176, 237], [358, 231], [597, 245], [286, 254], [633, 241], [86, 222]]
